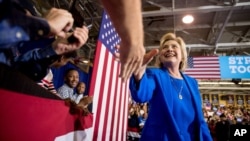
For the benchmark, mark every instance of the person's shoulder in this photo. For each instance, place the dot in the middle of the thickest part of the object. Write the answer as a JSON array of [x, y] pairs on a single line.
[[63, 87]]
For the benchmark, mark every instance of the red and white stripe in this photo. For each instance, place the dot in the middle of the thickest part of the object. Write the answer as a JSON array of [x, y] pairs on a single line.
[[205, 68], [110, 98]]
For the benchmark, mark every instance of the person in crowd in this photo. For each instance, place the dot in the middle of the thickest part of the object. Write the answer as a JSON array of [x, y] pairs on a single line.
[[86, 104], [31, 45], [79, 100], [222, 128], [80, 89], [24, 38], [126, 16], [211, 126], [133, 120], [35, 63], [127, 20], [142, 120], [47, 81], [175, 104], [16, 25], [71, 79]]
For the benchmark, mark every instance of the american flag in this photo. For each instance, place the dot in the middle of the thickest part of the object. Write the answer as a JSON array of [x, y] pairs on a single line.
[[203, 67], [110, 95]]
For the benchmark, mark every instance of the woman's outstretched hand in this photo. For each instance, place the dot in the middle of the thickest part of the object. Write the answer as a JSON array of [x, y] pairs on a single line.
[[148, 57]]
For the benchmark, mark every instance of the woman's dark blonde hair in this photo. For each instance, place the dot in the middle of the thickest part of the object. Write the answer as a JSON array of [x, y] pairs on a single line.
[[179, 40]]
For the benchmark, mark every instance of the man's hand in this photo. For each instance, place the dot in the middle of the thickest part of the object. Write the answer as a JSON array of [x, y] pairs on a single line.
[[131, 58], [61, 45], [83, 104], [147, 58], [60, 21]]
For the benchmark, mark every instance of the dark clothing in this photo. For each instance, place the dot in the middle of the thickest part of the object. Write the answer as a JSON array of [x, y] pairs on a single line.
[[35, 62], [22, 42], [222, 130], [15, 81], [13, 20], [133, 121]]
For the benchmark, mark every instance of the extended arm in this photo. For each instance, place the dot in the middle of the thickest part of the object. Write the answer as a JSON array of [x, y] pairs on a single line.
[[127, 18]]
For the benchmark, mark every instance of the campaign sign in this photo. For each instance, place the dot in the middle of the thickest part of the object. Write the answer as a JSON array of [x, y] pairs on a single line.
[[239, 132], [205, 98], [247, 99], [215, 99], [230, 100], [235, 67]]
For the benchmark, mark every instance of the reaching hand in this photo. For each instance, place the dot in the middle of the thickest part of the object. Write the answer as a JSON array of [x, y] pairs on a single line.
[[131, 58], [61, 45], [146, 59], [81, 35], [60, 21]]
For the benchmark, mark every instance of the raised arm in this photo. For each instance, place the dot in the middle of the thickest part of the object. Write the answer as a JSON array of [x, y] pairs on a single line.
[[127, 18]]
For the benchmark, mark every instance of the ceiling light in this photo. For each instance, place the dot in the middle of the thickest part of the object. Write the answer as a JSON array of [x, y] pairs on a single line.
[[188, 19], [85, 61]]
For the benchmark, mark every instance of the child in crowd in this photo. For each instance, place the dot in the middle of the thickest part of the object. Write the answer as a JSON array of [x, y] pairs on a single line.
[[80, 89], [83, 101]]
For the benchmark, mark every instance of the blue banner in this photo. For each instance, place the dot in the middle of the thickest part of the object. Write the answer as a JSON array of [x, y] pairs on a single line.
[[235, 67]]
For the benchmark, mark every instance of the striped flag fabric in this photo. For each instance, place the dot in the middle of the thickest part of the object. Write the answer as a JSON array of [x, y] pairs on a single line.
[[110, 95], [47, 82], [29, 117], [203, 67], [31, 113]]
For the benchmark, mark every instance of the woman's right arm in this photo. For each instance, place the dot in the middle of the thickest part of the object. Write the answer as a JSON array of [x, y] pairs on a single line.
[[142, 90]]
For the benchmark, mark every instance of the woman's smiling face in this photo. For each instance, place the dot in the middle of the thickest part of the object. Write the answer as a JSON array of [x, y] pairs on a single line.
[[170, 53]]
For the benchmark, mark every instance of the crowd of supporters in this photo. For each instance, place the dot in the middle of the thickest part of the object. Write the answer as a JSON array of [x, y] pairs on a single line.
[[219, 118], [137, 116]]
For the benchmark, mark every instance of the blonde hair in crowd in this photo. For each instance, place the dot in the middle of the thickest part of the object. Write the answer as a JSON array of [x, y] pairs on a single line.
[[179, 40]]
